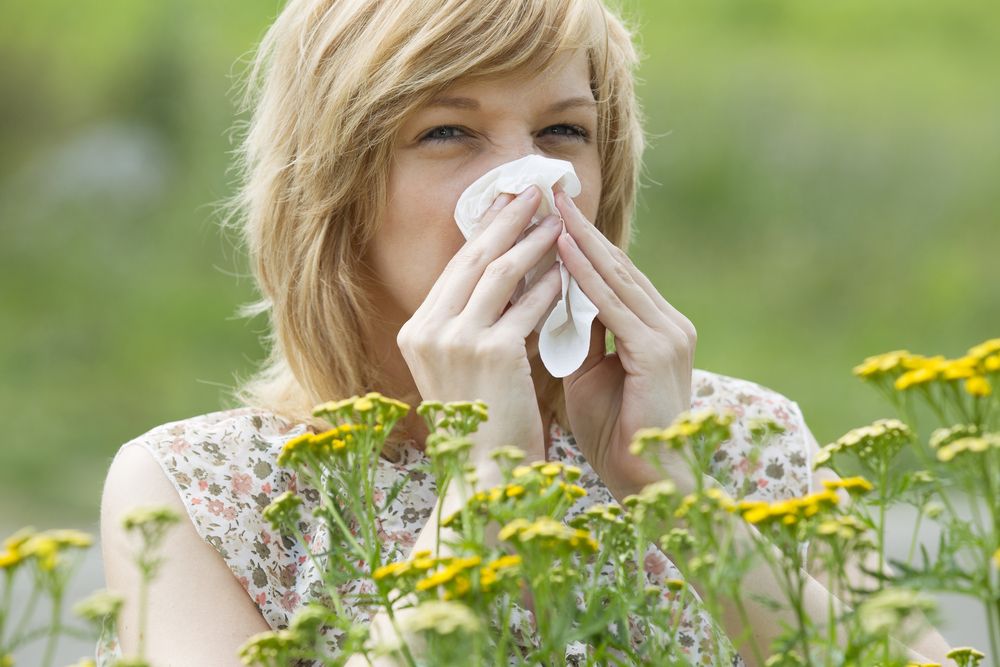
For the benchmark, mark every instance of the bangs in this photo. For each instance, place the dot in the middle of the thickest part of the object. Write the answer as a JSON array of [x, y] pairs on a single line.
[[488, 38]]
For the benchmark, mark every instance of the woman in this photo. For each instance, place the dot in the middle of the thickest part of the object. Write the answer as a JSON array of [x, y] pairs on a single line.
[[370, 119]]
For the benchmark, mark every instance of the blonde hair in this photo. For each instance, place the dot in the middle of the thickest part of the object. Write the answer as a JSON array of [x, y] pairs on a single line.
[[331, 83]]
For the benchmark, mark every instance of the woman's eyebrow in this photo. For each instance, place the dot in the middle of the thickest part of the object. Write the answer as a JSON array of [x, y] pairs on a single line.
[[471, 104]]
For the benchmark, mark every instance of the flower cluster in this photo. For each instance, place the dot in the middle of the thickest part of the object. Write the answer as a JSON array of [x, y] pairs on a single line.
[[907, 371], [370, 409], [689, 425], [283, 512], [882, 440], [455, 417], [548, 535], [589, 579], [310, 448], [44, 547], [788, 512], [971, 443]]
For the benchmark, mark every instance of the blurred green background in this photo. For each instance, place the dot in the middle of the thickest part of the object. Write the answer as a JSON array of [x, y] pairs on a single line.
[[822, 185]]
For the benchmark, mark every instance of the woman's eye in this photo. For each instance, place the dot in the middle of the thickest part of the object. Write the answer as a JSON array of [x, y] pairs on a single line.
[[577, 131], [445, 133], [441, 133]]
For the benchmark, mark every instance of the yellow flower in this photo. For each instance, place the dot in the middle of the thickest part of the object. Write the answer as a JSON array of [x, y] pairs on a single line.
[[965, 656], [978, 386], [150, 516], [6, 661], [295, 449], [549, 532], [844, 527], [985, 348], [884, 437], [996, 557], [17, 539], [852, 485], [45, 550], [514, 490], [790, 511], [450, 572], [507, 453], [441, 617], [8, 559], [916, 377], [959, 369], [45, 547], [391, 570], [675, 584], [550, 469], [968, 444], [493, 571], [572, 491], [685, 426], [99, 605], [880, 364], [385, 410], [991, 364]]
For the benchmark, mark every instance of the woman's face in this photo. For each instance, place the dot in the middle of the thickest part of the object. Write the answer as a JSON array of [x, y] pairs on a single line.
[[445, 146]]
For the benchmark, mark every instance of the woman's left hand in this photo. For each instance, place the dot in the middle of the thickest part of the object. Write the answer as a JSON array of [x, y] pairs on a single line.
[[646, 382]]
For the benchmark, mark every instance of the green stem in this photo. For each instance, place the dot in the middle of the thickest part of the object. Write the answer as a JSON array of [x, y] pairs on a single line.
[[883, 500], [992, 620], [405, 646], [55, 625], [8, 591], [29, 610], [501, 654], [143, 603], [913, 540]]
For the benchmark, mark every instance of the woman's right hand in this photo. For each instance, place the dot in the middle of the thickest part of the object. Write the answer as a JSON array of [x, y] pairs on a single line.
[[460, 344]]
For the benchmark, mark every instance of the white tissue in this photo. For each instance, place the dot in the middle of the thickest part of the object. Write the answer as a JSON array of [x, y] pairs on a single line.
[[564, 332]]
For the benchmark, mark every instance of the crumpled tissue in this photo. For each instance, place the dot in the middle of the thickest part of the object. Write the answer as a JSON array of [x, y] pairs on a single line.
[[564, 332]]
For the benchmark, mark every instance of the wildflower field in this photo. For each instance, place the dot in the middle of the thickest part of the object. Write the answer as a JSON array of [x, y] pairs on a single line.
[[511, 581]]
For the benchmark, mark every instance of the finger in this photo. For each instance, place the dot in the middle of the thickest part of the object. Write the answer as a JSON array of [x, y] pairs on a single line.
[[503, 274], [501, 201], [453, 287], [492, 212], [522, 318], [608, 263], [610, 309]]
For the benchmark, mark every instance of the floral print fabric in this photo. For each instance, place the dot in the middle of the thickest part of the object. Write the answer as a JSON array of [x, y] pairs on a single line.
[[223, 466]]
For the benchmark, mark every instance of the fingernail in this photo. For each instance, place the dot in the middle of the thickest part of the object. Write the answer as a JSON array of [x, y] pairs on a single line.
[[529, 194], [552, 221], [502, 200]]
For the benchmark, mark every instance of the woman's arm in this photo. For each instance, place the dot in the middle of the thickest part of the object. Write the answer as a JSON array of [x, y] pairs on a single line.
[[198, 614]]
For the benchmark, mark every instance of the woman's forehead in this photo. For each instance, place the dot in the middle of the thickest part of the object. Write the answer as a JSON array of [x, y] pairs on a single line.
[[567, 76]]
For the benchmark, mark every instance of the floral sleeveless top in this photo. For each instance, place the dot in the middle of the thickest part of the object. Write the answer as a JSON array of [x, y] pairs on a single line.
[[223, 465]]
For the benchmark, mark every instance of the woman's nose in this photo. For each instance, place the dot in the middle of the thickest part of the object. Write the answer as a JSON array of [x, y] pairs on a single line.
[[511, 156]]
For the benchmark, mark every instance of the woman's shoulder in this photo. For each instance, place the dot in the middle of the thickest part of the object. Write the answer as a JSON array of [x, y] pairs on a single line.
[[223, 466], [744, 398], [758, 462], [222, 463], [235, 429]]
